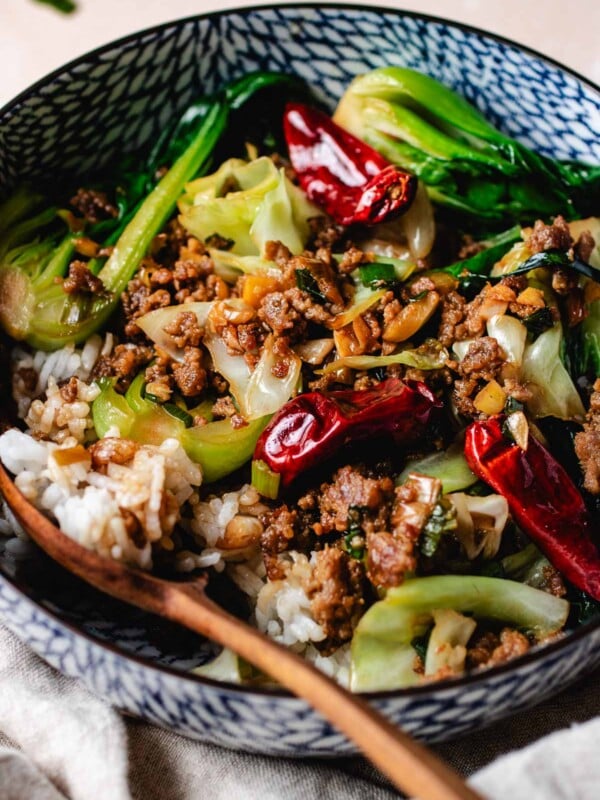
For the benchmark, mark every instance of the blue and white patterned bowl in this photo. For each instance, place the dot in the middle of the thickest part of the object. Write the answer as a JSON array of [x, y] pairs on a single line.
[[120, 96]]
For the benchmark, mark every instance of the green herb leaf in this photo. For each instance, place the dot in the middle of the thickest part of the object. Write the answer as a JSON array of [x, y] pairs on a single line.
[[308, 283], [442, 520], [377, 275], [179, 413], [420, 644], [64, 6], [538, 322]]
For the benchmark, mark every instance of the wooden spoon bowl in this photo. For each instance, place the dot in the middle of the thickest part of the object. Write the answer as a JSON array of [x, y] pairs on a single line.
[[409, 765]]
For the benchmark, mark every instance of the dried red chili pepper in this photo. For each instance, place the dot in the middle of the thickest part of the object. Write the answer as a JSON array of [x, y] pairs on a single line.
[[542, 498], [311, 427], [342, 174]]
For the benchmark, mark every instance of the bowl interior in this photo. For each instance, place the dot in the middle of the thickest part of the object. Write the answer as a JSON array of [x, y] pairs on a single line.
[[120, 97]]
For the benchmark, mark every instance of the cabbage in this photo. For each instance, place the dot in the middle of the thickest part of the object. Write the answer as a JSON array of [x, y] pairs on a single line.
[[510, 334], [224, 667], [231, 265], [447, 646], [449, 465], [154, 322], [363, 299], [382, 652], [468, 509], [460, 349], [554, 393], [425, 357], [249, 203], [258, 392]]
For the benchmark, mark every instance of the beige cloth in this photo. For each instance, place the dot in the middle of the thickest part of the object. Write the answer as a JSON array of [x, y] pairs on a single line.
[[59, 742]]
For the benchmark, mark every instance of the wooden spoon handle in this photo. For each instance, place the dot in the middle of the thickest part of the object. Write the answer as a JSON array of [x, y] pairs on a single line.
[[410, 766]]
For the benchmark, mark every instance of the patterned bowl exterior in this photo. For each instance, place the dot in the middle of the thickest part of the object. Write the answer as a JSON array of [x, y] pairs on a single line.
[[119, 97]]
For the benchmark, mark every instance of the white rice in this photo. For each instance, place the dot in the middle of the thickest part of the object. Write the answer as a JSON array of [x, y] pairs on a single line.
[[96, 508], [59, 366]]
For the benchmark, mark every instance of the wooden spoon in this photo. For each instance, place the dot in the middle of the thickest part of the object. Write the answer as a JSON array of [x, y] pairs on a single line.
[[411, 767]]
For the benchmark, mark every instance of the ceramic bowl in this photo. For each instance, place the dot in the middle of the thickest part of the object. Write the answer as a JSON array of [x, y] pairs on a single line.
[[120, 96]]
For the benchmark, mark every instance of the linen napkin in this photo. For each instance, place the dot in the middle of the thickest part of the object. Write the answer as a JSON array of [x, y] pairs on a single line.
[[60, 742]]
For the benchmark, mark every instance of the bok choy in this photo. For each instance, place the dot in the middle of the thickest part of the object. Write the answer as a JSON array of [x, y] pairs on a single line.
[[382, 653], [36, 248], [467, 164]]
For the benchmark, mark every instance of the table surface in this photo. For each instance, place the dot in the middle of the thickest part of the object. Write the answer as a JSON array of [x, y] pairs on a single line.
[[35, 38]]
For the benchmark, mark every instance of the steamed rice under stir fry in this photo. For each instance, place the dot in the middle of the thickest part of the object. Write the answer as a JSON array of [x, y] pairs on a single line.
[[320, 386]]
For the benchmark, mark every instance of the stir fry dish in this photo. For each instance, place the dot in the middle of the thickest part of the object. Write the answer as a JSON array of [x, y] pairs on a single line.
[[348, 363]]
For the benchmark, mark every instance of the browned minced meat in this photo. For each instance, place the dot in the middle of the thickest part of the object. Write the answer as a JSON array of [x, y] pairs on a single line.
[[517, 283], [552, 581], [352, 258], [489, 649], [564, 281], [282, 529], [70, 390], [390, 558], [124, 363], [518, 391], [243, 338], [469, 247], [184, 330], [587, 444], [550, 237], [112, 450], [584, 246], [190, 278], [453, 314], [336, 589], [189, 374], [350, 489], [482, 363], [81, 281], [159, 376], [482, 360], [92, 205], [223, 408], [575, 307], [325, 234], [277, 312], [391, 554], [277, 252], [307, 307]]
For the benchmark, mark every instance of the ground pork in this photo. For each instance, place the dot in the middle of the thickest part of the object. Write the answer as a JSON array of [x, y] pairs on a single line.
[[189, 374], [124, 363], [350, 490], [394, 553], [80, 280], [584, 246], [482, 363], [587, 444], [184, 330], [277, 312], [489, 649], [336, 589], [283, 529], [550, 237], [93, 206], [453, 314]]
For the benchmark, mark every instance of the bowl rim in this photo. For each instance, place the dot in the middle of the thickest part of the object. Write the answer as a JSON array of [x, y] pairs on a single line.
[[129, 38], [446, 685]]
